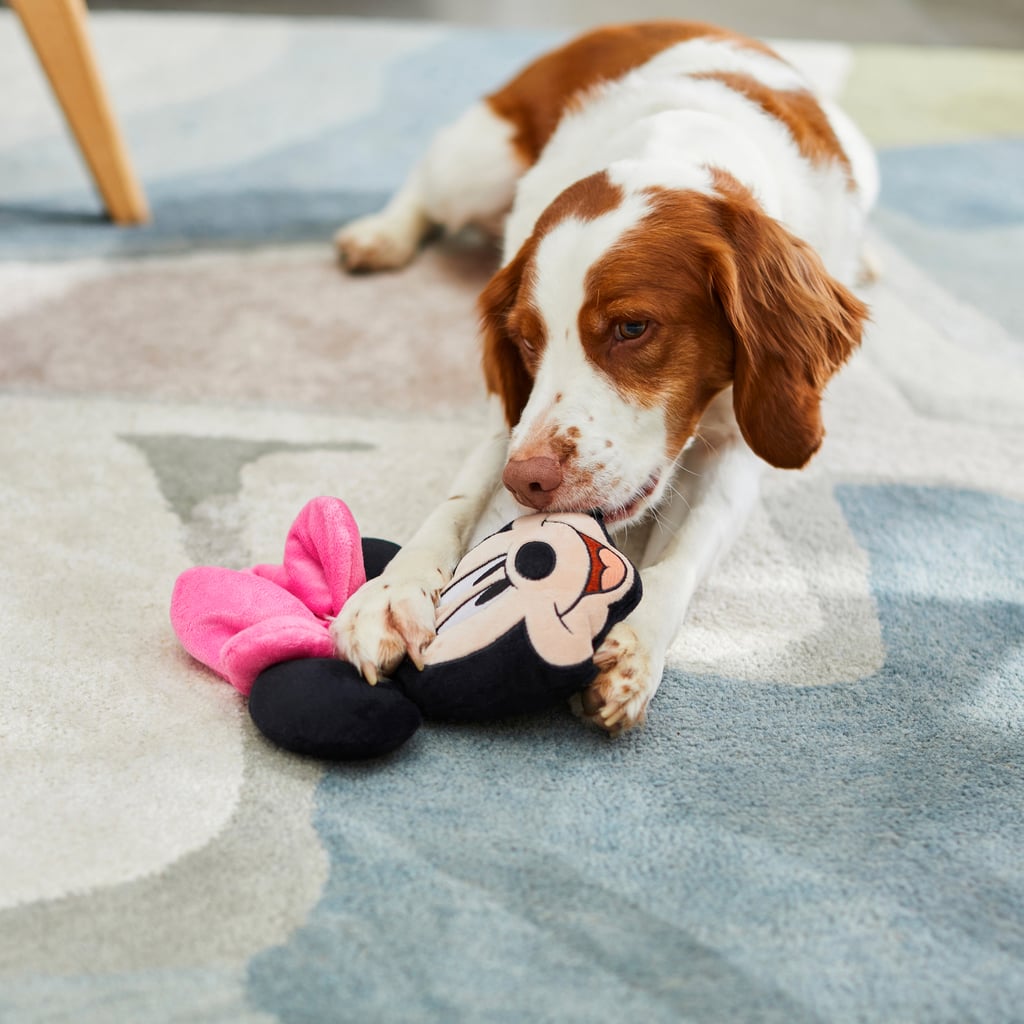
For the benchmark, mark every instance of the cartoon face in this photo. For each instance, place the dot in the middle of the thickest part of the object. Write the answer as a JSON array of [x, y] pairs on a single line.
[[555, 573]]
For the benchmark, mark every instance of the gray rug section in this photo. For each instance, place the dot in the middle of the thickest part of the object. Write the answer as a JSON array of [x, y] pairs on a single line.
[[201, 478]]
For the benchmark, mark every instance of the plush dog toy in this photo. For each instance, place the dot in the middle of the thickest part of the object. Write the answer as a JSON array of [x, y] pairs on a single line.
[[516, 630]]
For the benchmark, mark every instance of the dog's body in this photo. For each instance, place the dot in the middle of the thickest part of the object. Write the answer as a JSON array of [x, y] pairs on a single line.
[[683, 217]]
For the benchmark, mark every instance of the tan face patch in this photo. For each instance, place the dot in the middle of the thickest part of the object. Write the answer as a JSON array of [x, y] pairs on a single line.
[[658, 274], [732, 298], [584, 200]]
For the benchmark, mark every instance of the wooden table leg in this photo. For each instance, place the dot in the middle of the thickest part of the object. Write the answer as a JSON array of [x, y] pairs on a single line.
[[59, 33]]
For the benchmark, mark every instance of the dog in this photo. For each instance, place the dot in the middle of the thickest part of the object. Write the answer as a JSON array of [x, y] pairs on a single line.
[[683, 222]]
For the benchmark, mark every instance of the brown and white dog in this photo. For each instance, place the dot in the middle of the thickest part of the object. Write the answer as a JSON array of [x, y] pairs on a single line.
[[682, 216]]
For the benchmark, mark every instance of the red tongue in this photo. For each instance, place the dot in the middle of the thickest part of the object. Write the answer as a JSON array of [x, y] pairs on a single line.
[[607, 571]]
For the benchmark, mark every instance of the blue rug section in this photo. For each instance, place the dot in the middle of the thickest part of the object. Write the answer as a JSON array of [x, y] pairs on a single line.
[[958, 211], [758, 853], [63, 228], [300, 192], [957, 186]]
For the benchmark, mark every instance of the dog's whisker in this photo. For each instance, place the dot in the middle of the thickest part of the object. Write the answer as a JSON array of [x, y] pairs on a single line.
[[698, 436], [679, 494]]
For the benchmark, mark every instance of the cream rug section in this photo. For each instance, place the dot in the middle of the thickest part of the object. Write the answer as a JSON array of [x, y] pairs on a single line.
[[135, 761], [121, 757]]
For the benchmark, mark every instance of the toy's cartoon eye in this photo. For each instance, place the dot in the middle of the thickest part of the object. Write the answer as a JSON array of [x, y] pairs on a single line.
[[496, 589], [535, 560], [494, 567]]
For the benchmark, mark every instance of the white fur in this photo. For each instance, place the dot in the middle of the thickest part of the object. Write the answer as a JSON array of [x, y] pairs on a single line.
[[700, 56], [655, 126]]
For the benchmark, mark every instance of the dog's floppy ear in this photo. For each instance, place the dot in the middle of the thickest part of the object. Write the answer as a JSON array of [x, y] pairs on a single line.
[[794, 326], [505, 372]]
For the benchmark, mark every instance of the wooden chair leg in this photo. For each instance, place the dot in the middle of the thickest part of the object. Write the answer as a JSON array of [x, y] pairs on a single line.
[[59, 34]]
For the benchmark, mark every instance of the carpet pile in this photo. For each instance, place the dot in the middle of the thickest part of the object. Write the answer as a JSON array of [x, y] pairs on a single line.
[[823, 819]]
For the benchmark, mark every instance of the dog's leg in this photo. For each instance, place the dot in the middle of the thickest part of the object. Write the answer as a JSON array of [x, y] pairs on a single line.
[[389, 239], [393, 615], [467, 176], [715, 490]]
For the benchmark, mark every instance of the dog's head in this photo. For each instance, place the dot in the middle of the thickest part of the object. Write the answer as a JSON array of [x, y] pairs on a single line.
[[628, 310]]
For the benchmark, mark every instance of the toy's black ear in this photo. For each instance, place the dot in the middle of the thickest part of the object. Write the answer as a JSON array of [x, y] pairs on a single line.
[[322, 707]]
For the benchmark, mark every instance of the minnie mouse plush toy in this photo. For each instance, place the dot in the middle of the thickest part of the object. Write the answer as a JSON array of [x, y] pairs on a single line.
[[517, 628]]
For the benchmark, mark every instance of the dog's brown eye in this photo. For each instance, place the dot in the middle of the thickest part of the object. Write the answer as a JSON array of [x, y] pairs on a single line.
[[526, 346], [630, 330]]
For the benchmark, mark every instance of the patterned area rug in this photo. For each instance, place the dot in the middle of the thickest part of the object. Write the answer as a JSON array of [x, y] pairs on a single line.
[[823, 819]]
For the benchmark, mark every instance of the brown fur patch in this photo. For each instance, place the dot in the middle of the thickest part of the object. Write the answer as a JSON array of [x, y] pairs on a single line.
[[794, 325], [506, 372], [798, 110], [658, 272], [586, 199], [537, 98], [563, 446]]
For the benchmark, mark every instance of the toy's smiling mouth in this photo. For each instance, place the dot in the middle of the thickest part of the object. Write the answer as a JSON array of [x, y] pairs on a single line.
[[607, 570], [634, 505]]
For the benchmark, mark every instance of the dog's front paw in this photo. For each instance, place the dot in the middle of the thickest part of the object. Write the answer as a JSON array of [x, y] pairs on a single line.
[[385, 620], [617, 699], [379, 242]]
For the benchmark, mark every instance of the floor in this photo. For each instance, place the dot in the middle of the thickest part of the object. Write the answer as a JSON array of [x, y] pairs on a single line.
[[997, 23]]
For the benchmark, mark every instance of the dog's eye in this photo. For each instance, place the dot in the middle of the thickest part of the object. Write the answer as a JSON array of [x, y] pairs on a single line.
[[630, 330], [526, 346]]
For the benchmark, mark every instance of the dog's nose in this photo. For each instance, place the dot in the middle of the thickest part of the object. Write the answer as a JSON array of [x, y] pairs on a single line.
[[533, 482]]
